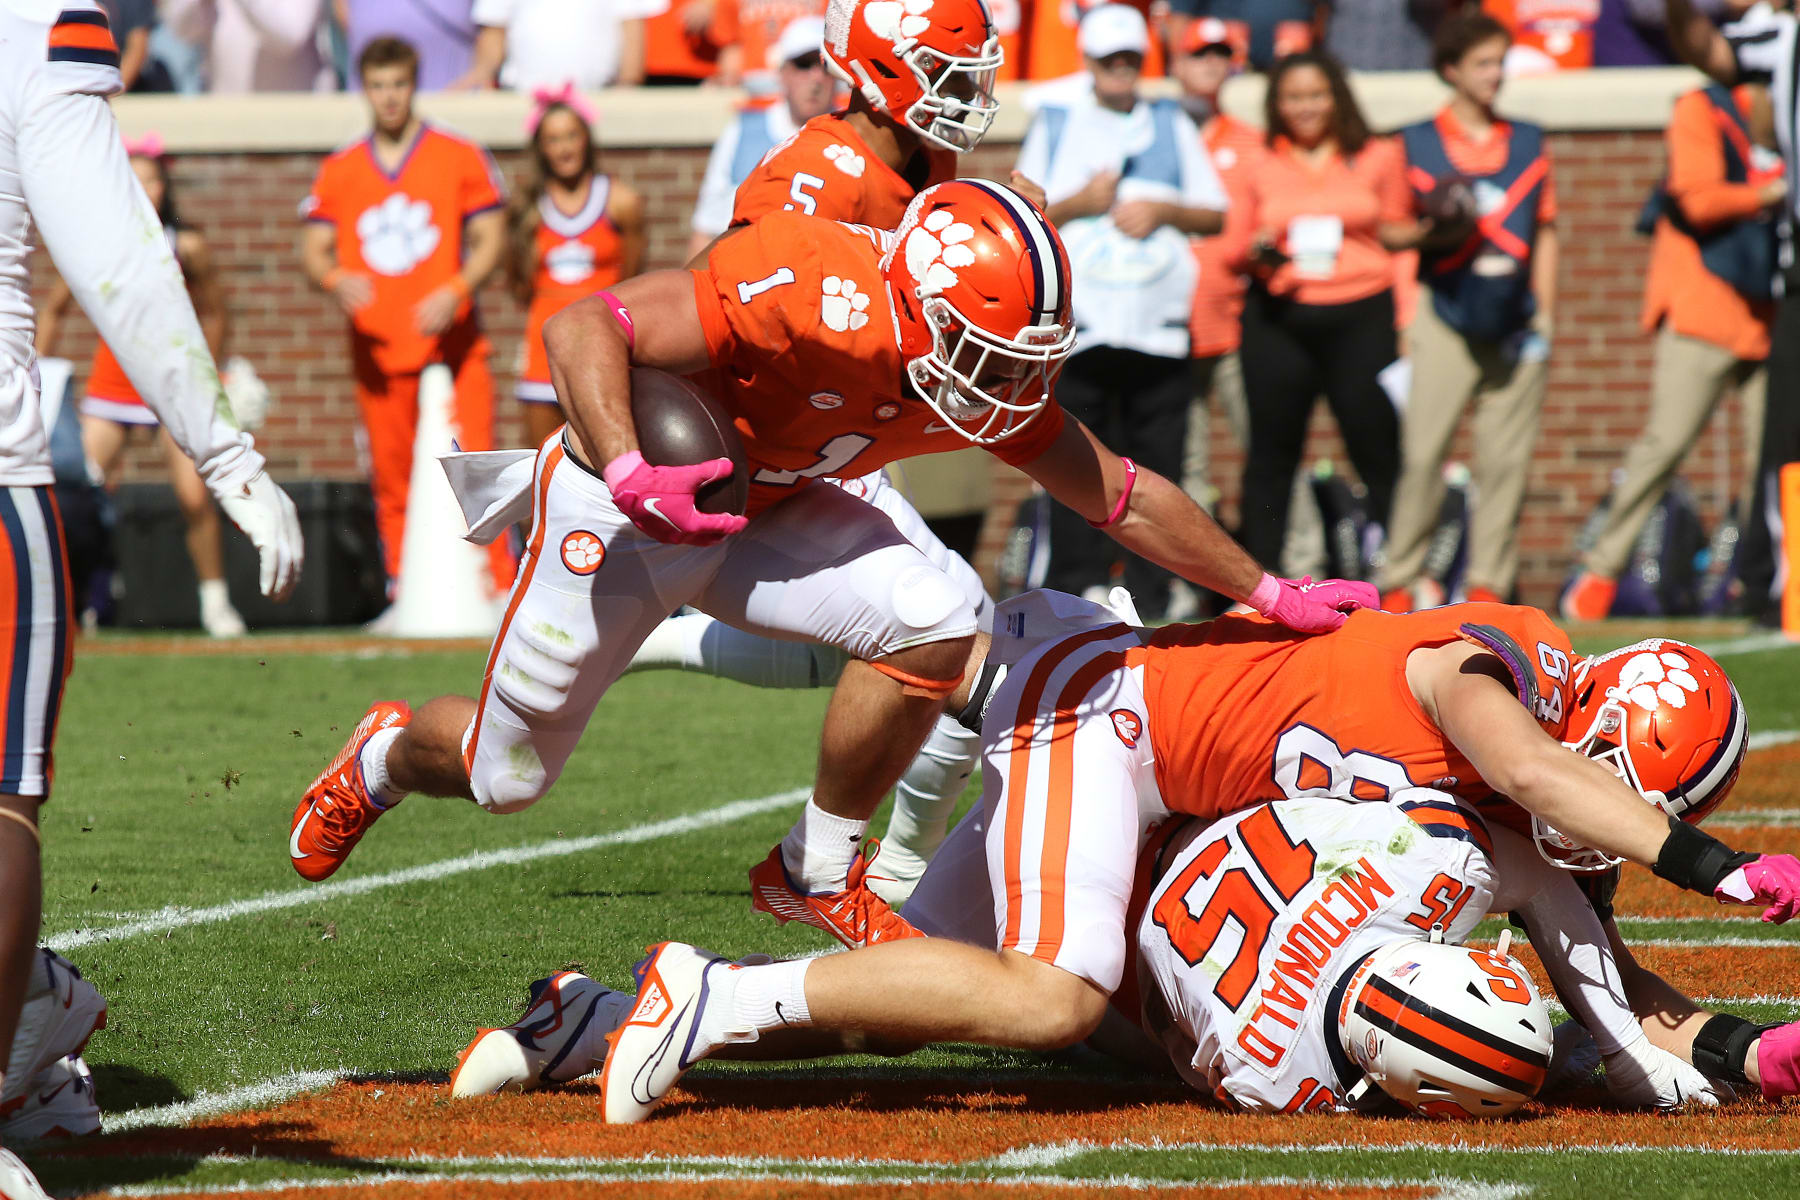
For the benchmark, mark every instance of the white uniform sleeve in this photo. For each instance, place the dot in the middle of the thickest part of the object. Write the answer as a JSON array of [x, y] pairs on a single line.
[[1569, 939], [105, 238], [712, 211], [1201, 186], [1762, 41], [497, 13]]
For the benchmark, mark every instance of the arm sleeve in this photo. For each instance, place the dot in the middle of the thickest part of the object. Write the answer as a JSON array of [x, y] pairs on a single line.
[[1760, 40], [1391, 187], [712, 211], [1568, 938], [482, 189], [99, 228], [1201, 186], [1697, 182]]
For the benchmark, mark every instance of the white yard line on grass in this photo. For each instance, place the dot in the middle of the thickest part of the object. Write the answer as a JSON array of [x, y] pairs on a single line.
[[1055, 1153], [212, 1104], [1773, 737], [1447, 1189], [1750, 643], [171, 918]]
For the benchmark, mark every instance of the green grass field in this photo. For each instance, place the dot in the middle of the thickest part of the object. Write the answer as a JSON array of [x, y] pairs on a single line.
[[167, 881]]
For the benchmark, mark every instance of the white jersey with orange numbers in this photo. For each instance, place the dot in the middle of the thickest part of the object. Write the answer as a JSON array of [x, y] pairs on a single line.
[[63, 167], [1255, 919]]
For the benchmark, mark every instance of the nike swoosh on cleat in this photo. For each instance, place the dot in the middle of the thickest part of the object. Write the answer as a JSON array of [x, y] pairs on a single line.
[[294, 849], [47, 1097], [650, 506], [639, 1089]]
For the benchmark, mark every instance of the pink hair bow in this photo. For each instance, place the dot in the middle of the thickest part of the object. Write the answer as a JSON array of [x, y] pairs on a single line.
[[543, 99], [150, 145]]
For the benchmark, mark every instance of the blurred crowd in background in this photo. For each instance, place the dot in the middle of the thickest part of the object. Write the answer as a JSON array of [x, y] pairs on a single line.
[[1241, 268], [312, 45]]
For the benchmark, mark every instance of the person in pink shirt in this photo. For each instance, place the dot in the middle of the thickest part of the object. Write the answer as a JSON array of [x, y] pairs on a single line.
[[255, 45], [1315, 223]]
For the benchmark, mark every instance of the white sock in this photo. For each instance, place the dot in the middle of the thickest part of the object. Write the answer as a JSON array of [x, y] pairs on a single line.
[[754, 1000], [375, 769], [213, 593], [927, 793], [818, 849]]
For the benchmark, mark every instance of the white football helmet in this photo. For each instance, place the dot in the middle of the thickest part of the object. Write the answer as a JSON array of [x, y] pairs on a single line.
[[1448, 1031]]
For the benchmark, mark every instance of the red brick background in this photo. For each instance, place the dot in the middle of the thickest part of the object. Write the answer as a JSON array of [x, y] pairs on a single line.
[[245, 204]]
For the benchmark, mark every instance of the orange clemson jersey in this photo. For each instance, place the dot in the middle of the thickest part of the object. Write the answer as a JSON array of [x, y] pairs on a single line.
[[577, 255], [801, 339], [1242, 711], [826, 170], [404, 230]]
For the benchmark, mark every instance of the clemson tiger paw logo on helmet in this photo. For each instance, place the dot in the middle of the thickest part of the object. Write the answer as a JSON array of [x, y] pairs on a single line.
[[935, 250], [846, 160], [843, 305], [897, 19], [1650, 678]]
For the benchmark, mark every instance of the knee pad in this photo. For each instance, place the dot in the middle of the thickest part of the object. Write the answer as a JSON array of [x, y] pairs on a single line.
[[536, 670], [518, 782], [925, 598]]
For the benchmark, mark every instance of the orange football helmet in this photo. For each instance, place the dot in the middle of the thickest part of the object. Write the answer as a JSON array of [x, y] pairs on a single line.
[[979, 284], [1666, 719], [927, 63]]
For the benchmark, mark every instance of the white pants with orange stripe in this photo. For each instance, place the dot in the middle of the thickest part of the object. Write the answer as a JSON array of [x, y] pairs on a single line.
[[821, 566], [1069, 790]]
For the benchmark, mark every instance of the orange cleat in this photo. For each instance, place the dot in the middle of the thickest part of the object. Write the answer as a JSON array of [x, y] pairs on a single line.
[[1481, 595], [855, 916], [1396, 600], [1589, 598], [337, 809]]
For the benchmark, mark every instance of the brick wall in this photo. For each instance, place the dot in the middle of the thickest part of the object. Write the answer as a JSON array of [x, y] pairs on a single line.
[[1598, 383]]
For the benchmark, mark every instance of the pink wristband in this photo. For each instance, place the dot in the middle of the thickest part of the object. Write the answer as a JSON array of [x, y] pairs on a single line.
[[1268, 590], [1124, 497], [622, 317]]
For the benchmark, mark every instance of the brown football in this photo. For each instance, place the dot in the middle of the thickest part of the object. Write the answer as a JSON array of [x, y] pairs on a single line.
[[678, 424]]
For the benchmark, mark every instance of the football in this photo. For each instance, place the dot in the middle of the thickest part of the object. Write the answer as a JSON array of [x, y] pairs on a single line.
[[679, 424]]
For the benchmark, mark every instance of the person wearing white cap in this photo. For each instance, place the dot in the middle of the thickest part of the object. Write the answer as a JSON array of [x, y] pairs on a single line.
[[805, 90], [1127, 180]]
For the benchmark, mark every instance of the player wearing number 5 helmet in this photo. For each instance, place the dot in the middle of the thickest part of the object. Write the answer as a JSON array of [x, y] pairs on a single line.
[[922, 92], [1469, 702], [64, 168], [792, 326]]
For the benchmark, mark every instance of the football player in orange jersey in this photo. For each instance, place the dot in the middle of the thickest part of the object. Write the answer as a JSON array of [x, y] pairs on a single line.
[[1457, 716], [922, 92], [569, 232], [837, 349]]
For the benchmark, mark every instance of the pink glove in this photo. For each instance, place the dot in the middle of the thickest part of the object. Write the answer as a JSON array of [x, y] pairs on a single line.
[[660, 500], [1309, 607], [1778, 1061], [1773, 879]]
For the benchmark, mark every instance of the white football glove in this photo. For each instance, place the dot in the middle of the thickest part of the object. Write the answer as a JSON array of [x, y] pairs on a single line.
[[1643, 1076], [263, 511], [246, 393]]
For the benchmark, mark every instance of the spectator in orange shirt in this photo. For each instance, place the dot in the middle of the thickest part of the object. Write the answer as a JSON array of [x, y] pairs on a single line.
[[1481, 328], [1709, 298], [1203, 60], [747, 31], [402, 226], [1321, 213], [111, 407], [1547, 35], [569, 233]]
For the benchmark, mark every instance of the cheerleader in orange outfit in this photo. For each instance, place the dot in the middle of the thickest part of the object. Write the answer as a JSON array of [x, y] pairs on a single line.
[[570, 231], [111, 408]]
